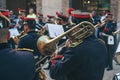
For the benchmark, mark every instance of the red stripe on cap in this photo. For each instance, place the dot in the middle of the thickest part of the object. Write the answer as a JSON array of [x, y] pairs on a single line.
[[81, 15], [28, 19], [5, 13], [49, 16], [61, 15]]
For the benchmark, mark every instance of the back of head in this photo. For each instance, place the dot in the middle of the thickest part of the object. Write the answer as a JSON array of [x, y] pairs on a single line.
[[30, 22], [62, 17], [4, 24]]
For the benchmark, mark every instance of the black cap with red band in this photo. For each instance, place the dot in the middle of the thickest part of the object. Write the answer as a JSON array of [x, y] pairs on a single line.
[[4, 21]]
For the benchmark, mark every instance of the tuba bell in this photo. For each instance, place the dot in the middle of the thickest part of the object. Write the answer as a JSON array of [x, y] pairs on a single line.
[[81, 31]]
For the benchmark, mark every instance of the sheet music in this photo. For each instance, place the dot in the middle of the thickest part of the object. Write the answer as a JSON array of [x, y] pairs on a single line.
[[55, 30], [13, 32]]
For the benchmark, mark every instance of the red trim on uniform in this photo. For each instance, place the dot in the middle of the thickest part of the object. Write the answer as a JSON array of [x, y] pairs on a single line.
[[106, 29], [23, 17], [56, 58]]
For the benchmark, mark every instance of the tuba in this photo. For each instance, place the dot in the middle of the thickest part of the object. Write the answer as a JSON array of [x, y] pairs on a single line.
[[81, 31]]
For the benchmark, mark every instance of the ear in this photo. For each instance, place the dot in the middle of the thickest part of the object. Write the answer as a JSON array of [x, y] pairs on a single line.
[[8, 37]]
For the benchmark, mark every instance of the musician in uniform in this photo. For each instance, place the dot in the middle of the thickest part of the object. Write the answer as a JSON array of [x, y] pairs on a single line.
[[64, 21], [29, 40], [106, 34], [85, 61], [41, 19], [14, 65]]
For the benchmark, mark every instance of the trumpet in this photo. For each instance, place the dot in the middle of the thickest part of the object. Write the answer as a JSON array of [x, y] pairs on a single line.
[[100, 24]]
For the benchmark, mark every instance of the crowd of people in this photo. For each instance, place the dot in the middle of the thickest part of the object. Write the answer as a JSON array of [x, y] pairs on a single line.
[[87, 60]]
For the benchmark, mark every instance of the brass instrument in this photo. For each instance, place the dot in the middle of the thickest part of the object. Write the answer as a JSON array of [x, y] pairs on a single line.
[[100, 24], [117, 31], [40, 32], [16, 38], [81, 31]]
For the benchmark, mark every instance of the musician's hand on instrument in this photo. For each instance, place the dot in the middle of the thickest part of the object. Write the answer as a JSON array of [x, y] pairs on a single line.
[[16, 39], [99, 25], [55, 53], [68, 42]]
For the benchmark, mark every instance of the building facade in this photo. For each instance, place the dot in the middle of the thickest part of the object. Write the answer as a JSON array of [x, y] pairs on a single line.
[[50, 7]]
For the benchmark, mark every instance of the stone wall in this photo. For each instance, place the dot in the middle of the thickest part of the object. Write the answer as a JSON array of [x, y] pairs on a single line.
[[114, 8], [39, 6], [65, 6], [50, 7], [2, 4], [118, 13]]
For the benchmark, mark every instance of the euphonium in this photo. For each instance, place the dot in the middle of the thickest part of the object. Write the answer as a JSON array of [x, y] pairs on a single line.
[[80, 32]]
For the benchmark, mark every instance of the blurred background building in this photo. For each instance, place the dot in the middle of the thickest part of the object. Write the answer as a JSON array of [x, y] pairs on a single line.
[[49, 7]]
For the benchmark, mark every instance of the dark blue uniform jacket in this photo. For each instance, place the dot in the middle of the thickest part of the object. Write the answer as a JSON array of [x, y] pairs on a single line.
[[16, 65], [30, 41], [87, 61]]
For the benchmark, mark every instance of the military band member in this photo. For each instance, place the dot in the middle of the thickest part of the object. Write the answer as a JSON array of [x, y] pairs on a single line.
[[64, 21], [41, 19], [109, 38], [14, 65], [29, 40], [85, 61]]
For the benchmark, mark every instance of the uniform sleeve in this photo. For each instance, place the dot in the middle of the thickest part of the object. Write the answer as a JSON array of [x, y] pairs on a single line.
[[64, 66], [21, 43], [25, 42]]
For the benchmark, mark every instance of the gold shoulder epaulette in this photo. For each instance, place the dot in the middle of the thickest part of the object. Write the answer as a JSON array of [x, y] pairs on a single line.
[[23, 36], [25, 49]]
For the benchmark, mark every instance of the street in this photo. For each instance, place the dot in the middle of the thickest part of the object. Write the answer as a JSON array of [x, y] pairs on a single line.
[[109, 74]]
